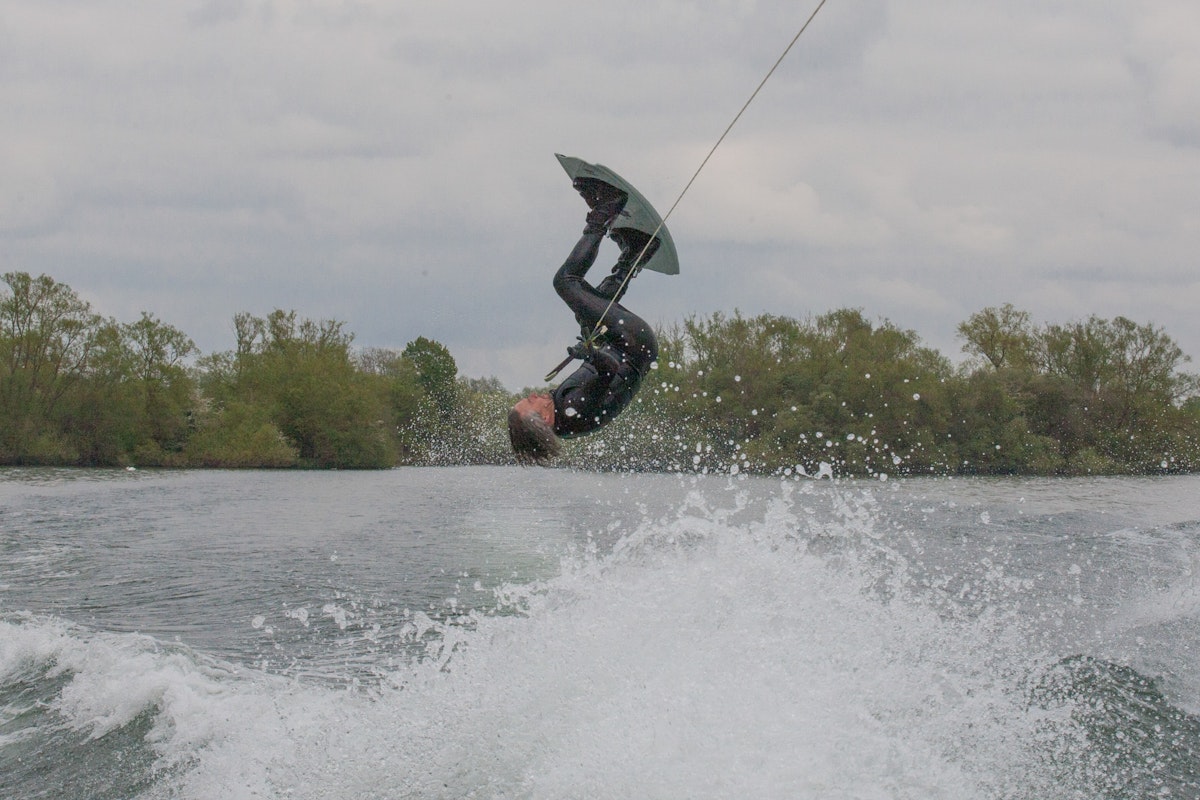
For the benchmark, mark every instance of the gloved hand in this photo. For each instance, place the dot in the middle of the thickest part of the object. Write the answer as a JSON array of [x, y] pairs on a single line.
[[580, 350]]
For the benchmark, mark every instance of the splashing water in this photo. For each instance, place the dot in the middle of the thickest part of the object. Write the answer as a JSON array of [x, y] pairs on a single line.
[[793, 643]]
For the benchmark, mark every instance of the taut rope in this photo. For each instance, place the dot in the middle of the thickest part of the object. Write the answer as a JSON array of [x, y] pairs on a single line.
[[671, 210]]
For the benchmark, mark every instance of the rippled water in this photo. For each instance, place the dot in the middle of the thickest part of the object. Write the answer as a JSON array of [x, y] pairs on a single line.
[[503, 633]]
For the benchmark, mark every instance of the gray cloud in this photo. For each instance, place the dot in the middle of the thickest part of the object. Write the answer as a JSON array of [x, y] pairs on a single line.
[[391, 164]]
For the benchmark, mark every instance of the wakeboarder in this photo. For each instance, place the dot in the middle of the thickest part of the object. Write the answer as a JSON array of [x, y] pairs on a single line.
[[616, 346]]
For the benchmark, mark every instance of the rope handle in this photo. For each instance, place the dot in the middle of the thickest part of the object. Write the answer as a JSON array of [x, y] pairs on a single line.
[[588, 342]]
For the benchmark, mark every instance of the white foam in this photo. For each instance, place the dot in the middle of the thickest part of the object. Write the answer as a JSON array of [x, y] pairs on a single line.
[[702, 657]]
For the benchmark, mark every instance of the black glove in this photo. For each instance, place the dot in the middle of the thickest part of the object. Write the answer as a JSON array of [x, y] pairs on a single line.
[[580, 350]]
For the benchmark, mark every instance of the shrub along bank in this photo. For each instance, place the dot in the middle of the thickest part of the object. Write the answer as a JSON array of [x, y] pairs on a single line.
[[838, 393]]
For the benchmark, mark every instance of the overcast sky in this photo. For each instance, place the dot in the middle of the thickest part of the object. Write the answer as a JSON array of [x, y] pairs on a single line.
[[391, 164]]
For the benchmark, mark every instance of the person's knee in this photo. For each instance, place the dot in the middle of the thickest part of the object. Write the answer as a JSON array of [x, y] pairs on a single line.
[[566, 283]]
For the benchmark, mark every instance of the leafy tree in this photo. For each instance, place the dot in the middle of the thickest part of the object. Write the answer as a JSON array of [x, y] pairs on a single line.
[[298, 374], [764, 393], [1124, 381], [156, 354], [992, 429], [481, 434], [435, 432], [46, 335], [45, 330], [137, 402], [488, 385], [769, 392], [1094, 396], [409, 410], [241, 435], [1002, 337], [436, 370]]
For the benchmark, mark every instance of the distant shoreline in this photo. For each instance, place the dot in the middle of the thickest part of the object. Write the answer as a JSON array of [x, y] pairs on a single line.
[[837, 393]]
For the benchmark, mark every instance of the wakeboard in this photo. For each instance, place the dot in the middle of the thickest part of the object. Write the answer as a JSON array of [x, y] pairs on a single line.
[[638, 214]]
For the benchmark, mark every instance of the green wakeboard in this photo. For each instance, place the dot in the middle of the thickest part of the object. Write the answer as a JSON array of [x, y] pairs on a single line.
[[637, 214]]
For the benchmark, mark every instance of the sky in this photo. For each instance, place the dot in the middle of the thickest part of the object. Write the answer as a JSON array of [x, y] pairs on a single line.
[[391, 164]]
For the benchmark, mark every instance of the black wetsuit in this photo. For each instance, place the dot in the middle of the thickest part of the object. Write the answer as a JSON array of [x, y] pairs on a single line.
[[593, 395]]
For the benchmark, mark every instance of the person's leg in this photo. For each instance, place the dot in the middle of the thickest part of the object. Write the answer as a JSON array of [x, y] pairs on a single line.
[[633, 243], [626, 331], [633, 336], [569, 281], [580, 296]]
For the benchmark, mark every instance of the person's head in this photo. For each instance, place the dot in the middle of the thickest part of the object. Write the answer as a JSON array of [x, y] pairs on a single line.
[[531, 430]]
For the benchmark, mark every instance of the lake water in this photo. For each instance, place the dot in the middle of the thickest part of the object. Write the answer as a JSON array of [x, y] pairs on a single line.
[[508, 633]]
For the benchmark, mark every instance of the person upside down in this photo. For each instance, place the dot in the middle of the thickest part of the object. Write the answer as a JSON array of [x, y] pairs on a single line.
[[614, 362]]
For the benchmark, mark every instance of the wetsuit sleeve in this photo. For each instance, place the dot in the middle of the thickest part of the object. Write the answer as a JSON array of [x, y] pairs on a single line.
[[605, 363]]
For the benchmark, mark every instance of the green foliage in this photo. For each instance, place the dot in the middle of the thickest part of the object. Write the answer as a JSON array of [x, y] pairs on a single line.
[[394, 381], [769, 393], [851, 396], [838, 393], [45, 343], [241, 435], [1105, 396], [77, 389], [481, 430], [298, 375], [432, 433], [435, 368], [160, 393], [438, 417], [1001, 337]]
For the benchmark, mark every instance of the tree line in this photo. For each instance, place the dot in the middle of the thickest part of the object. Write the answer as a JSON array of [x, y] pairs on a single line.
[[844, 394], [836, 393], [82, 390]]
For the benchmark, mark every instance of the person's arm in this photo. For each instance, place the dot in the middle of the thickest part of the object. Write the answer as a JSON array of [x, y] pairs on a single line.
[[604, 361]]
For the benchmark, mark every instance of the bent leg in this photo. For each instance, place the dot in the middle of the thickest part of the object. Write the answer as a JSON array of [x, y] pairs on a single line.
[[580, 296], [627, 332], [635, 246]]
